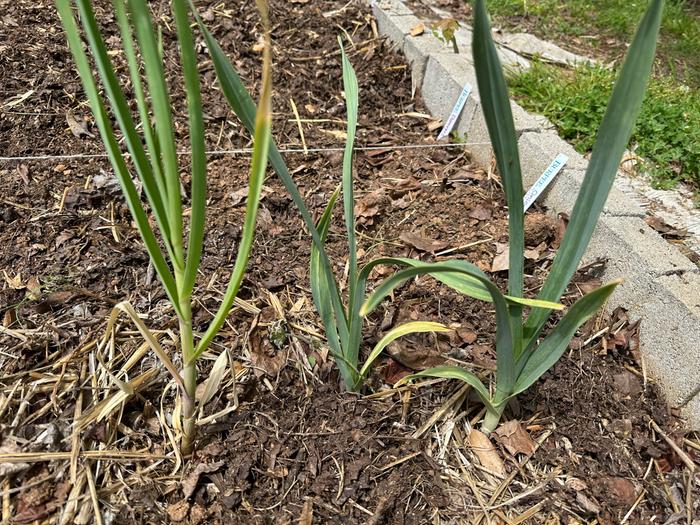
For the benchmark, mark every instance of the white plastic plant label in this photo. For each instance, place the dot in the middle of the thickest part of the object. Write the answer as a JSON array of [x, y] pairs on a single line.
[[548, 176], [463, 96]]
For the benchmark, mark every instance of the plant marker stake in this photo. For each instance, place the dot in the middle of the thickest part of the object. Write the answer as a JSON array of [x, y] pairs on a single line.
[[456, 111], [548, 176]]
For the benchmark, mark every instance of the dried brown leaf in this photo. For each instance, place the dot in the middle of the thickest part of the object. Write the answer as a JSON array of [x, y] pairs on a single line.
[[239, 196], [417, 29], [178, 511], [486, 452], [422, 243], [265, 358], [189, 484], [307, 513], [369, 206], [620, 490], [480, 213], [78, 128], [515, 438]]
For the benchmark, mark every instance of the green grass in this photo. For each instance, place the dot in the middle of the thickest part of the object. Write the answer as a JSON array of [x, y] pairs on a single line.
[[667, 133], [668, 129], [605, 26]]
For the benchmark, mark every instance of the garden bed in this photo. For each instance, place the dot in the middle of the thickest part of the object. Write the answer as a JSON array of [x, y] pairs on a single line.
[[592, 438]]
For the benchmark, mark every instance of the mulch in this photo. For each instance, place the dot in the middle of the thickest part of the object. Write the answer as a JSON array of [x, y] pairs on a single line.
[[281, 441]]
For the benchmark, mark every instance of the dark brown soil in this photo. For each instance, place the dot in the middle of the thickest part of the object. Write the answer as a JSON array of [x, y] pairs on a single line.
[[297, 448]]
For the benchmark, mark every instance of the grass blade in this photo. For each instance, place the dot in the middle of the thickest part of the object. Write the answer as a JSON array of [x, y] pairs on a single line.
[[394, 334], [317, 277], [320, 275], [537, 362], [141, 102], [463, 283], [613, 136], [472, 275], [114, 153], [121, 111], [352, 349], [147, 335], [199, 160], [505, 348], [459, 275], [214, 379]]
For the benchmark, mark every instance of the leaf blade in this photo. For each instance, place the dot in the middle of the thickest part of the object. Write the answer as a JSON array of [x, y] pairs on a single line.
[[538, 361], [261, 145], [413, 327], [160, 100], [199, 159], [613, 136], [499, 121], [454, 372], [456, 274], [114, 153]]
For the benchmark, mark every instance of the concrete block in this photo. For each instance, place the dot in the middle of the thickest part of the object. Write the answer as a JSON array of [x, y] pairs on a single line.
[[394, 27], [512, 60], [668, 338], [619, 204], [632, 247], [477, 131], [537, 151], [562, 192], [463, 37], [530, 45], [444, 79], [668, 335], [691, 411], [686, 288], [392, 7], [417, 50]]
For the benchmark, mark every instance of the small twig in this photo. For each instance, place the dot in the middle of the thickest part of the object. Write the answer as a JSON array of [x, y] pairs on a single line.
[[464, 247], [399, 461], [113, 455], [681, 454], [301, 129], [660, 473], [634, 506], [93, 495], [454, 400]]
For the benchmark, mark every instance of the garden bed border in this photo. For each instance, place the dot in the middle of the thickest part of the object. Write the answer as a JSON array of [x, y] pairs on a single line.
[[661, 285]]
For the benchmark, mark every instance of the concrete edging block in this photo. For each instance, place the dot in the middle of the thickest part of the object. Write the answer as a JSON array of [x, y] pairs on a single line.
[[668, 336], [537, 150], [682, 286], [651, 291], [632, 246], [417, 49], [445, 77], [391, 7], [394, 27], [478, 132]]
